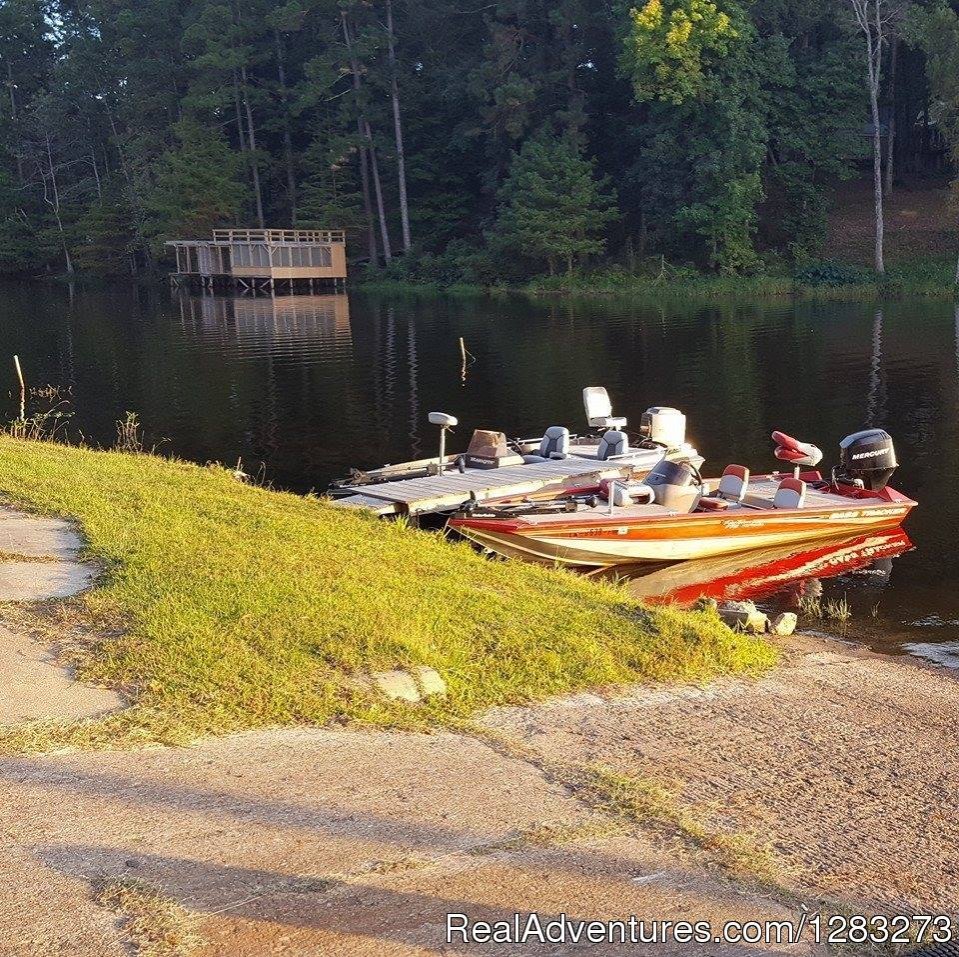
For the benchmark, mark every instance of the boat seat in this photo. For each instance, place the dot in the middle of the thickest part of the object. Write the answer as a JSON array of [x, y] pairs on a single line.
[[731, 490], [612, 445], [554, 445], [733, 484], [710, 504], [790, 494], [795, 452], [599, 409]]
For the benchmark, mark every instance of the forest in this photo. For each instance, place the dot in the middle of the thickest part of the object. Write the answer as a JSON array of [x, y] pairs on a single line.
[[463, 141]]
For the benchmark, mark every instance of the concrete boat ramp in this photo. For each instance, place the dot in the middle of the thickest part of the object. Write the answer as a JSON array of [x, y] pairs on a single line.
[[441, 493]]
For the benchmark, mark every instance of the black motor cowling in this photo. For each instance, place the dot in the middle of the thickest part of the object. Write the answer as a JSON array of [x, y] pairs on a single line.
[[868, 456]]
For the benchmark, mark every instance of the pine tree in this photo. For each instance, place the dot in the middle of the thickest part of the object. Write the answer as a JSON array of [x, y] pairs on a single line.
[[198, 185], [107, 238], [330, 194], [551, 206]]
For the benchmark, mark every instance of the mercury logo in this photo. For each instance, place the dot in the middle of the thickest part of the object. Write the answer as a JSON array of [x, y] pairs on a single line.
[[869, 455]]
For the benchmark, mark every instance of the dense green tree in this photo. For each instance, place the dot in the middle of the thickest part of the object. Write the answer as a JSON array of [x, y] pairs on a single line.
[[197, 185], [552, 207], [936, 30], [723, 125], [701, 69], [107, 239]]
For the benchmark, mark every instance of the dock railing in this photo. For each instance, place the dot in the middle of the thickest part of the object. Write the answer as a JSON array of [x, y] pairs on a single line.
[[273, 236]]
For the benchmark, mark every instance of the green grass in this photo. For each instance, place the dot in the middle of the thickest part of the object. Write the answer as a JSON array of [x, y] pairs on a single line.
[[670, 283], [650, 802], [925, 278], [226, 606]]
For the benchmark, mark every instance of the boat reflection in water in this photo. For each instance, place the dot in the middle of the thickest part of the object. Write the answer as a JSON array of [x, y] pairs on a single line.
[[785, 571]]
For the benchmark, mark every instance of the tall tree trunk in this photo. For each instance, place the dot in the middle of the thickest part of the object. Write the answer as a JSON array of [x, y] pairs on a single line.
[[378, 189], [371, 246], [240, 132], [15, 119], [877, 182], [364, 166], [398, 129], [96, 174], [872, 17], [287, 134], [251, 139], [55, 206], [872, 31], [891, 129]]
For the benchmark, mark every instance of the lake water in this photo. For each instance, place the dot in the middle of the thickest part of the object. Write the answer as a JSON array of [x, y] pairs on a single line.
[[309, 386]]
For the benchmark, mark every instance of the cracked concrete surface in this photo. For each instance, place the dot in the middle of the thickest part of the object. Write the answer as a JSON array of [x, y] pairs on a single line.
[[844, 761], [40, 562], [333, 842]]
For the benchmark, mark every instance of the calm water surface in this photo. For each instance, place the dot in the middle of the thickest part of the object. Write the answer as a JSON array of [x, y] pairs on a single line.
[[312, 385]]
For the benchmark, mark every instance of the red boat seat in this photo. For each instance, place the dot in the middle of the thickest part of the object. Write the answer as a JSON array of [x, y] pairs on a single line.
[[795, 452], [733, 484], [790, 494], [710, 504], [731, 490]]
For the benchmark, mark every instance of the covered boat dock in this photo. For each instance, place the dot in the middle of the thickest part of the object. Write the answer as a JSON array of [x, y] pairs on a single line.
[[262, 259]]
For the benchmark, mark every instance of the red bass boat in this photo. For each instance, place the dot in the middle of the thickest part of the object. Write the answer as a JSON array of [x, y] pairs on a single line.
[[674, 515]]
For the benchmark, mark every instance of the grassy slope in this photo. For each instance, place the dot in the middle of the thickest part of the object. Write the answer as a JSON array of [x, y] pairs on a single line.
[[246, 607]]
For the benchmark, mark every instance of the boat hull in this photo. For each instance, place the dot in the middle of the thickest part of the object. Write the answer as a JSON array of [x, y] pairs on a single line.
[[680, 538], [761, 572]]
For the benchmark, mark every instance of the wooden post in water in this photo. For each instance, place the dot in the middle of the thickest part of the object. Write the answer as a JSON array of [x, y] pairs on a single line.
[[23, 389]]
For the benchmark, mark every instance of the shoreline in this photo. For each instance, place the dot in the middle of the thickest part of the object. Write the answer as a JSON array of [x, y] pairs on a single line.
[[735, 788], [921, 279], [704, 289], [226, 606]]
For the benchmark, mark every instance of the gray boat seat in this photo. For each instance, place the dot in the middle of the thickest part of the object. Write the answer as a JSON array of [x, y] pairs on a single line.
[[790, 494], [613, 444], [733, 484], [731, 491], [599, 409], [554, 445]]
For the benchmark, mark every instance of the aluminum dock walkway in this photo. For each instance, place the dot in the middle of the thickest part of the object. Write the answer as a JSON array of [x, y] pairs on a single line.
[[441, 493]]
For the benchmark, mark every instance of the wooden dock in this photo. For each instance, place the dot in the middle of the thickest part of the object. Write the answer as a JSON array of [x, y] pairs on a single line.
[[262, 259], [441, 493]]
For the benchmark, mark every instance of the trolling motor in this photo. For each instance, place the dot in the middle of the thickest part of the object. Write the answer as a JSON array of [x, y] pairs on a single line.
[[445, 422]]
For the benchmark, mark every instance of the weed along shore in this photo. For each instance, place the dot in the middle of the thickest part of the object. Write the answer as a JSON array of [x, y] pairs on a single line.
[[562, 748]]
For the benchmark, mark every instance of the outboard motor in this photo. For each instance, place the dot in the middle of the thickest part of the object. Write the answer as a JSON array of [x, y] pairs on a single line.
[[663, 425], [675, 485], [867, 457]]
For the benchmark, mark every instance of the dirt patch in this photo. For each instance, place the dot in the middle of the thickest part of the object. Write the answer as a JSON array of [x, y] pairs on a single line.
[[919, 221]]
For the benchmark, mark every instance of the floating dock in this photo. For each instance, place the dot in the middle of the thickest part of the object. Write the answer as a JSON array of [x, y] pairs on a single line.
[[453, 488], [257, 260]]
